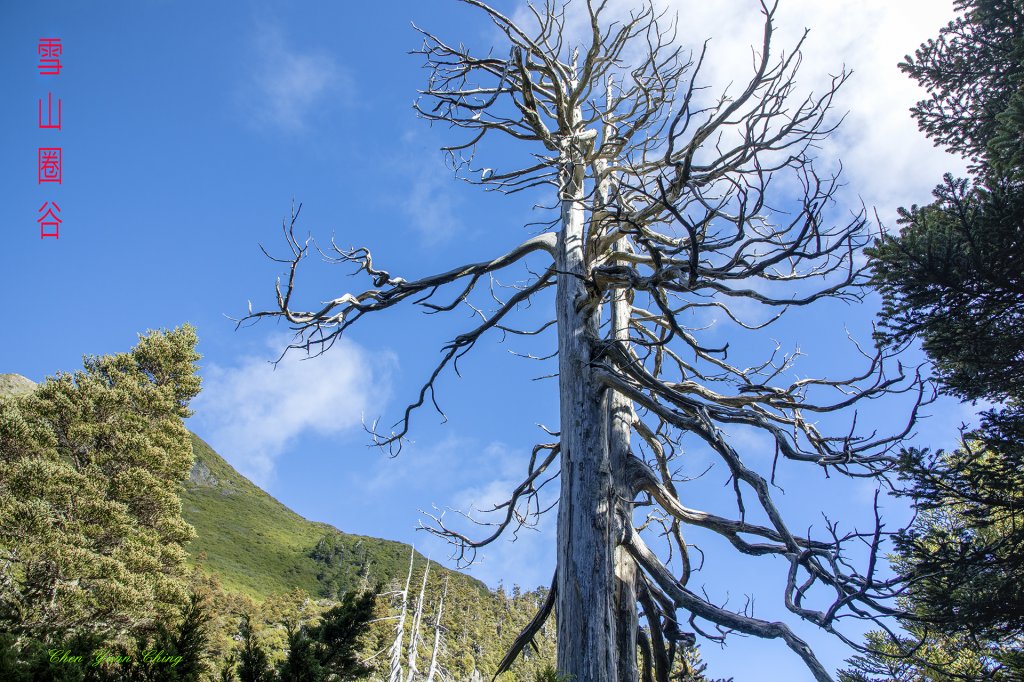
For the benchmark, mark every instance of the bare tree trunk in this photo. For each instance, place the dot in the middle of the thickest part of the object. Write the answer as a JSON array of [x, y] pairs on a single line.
[[620, 424], [620, 412], [695, 230], [415, 637], [586, 568], [396, 647], [437, 634]]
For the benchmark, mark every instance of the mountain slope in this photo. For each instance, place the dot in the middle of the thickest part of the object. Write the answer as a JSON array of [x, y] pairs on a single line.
[[256, 545], [15, 384], [251, 542]]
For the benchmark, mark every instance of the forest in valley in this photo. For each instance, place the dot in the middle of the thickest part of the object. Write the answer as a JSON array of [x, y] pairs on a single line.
[[131, 549]]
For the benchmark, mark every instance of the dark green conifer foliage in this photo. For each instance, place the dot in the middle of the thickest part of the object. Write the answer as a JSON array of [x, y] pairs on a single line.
[[935, 658], [954, 278], [192, 639], [302, 663], [965, 553], [253, 662], [169, 652], [973, 72], [330, 650], [189, 640], [340, 632], [227, 671]]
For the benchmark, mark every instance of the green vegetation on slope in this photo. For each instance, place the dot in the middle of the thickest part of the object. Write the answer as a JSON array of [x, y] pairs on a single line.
[[249, 540], [92, 531], [261, 562], [257, 546]]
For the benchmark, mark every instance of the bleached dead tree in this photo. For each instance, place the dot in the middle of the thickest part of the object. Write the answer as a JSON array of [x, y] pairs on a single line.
[[434, 671], [395, 674], [412, 649], [670, 201], [414, 639]]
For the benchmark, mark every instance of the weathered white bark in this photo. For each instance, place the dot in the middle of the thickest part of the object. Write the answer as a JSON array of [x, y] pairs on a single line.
[[432, 671], [396, 646], [586, 567], [621, 418], [699, 231], [620, 424], [417, 617], [620, 415]]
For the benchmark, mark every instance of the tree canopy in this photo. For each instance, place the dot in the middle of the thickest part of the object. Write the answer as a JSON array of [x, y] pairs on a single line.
[[973, 72], [330, 650], [90, 462], [953, 277]]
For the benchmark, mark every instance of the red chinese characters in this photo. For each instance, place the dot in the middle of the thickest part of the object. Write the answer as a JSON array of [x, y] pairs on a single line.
[[49, 113], [50, 166], [49, 222], [50, 50]]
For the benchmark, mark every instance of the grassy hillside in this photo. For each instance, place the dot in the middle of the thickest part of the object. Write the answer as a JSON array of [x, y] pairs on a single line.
[[257, 546], [249, 540]]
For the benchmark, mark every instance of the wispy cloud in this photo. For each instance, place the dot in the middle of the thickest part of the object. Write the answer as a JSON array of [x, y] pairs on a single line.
[[468, 477], [431, 206], [428, 199], [252, 412], [886, 161], [525, 557], [291, 85]]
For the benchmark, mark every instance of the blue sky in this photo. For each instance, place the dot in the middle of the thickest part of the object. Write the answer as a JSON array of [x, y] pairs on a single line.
[[189, 129]]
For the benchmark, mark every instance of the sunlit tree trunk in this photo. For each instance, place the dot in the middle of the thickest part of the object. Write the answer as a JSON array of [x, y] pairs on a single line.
[[586, 566], [684, 218], [414, 640], [396, 646], [433, 670]]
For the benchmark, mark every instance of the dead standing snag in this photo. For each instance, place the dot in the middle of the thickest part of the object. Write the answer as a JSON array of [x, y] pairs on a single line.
[[665, 207]]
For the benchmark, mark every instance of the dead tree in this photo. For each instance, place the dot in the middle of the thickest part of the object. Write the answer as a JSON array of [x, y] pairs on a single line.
[[414, 639], [395, 669], [665, 206], [435, 672]]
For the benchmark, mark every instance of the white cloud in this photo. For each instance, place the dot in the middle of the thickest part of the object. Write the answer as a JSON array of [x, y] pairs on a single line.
[[290, 85], [430, 204], [428, 201], [887, 162], [486, 477], [526, 559], [443, 460], [251, 412], [750, 442]]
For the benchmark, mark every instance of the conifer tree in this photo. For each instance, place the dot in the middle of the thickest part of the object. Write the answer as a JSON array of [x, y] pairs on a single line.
[[340, 632], [953, 277], [90, 462], [972, 71], [301, 664], [253, 662]]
